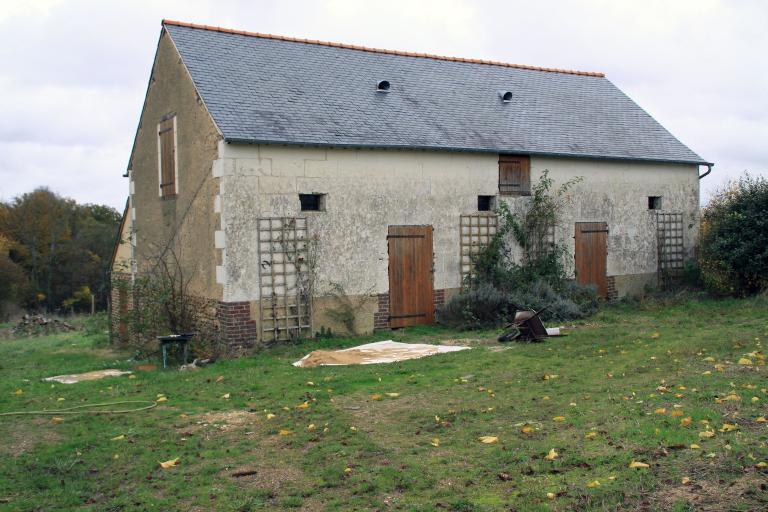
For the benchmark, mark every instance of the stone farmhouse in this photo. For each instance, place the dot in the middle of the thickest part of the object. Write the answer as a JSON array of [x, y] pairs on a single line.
[[286, 173]]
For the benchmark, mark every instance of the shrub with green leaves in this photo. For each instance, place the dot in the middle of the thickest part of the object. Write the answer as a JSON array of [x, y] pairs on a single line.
[[499, 285], [734, 238]]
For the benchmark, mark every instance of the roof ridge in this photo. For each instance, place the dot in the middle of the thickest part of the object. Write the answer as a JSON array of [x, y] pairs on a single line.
[[379, 50]]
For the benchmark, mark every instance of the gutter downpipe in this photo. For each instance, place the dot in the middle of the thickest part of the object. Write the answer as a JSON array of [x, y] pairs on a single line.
[[709, 170]]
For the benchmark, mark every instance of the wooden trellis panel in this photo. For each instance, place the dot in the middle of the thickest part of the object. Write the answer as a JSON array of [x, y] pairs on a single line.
[[284, 279], [544, 246], [477, 230], [669, 242]]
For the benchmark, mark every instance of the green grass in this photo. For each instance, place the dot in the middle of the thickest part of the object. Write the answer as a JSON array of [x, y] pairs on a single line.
[[608, 376]]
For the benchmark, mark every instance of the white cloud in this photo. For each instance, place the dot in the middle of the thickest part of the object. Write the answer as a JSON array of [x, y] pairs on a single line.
[[74, 72]]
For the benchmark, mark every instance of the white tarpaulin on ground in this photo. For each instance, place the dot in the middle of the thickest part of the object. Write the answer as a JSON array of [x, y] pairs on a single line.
[[372, 353], [79, 377]]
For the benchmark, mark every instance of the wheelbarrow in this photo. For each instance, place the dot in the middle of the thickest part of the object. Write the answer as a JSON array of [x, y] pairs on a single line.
[[527, 326]]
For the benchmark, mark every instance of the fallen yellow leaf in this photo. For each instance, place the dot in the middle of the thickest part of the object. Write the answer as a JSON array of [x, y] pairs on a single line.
[[558, 418], [118, 438], [551, 495], [488, 439], [219, 378], [685, 421], [709, 359], [347, 470], [707, 434], [270, 416], [745, 361], [161, 399], [57, 419], [18, 392], [655, 335], [225, 396], [660, 410], [593, 484], [376, 397], [526, 429], [637, 465], [285, 432], [728, 427], [169, 463], [685, 480], [590, 435], [303, 405], [552, 455], [761, 419], [311, 427], [435, 441], [392, 395], [676, 414], [694, 446], [761, 465]]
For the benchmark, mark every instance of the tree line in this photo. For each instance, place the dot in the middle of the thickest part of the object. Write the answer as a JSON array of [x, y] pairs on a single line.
[[54, 253]]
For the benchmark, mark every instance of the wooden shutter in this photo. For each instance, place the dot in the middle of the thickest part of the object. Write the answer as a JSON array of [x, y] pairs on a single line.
[[514, 175], [167, 138]]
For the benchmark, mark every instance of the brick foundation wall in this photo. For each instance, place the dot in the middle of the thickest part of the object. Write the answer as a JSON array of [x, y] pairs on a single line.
[[381, 316], [438, 298], [612, 293], [238, 331], [120, 303]]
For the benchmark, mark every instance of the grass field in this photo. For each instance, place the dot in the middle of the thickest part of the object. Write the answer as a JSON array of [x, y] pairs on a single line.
[[681, 389]]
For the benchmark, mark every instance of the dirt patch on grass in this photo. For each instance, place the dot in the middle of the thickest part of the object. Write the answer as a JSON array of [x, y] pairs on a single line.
[[271, 477], [223, 420], [393, 422], [749, 491], [21, 441]]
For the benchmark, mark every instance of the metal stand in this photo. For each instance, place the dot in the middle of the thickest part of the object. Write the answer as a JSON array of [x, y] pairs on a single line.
[[180, 340]]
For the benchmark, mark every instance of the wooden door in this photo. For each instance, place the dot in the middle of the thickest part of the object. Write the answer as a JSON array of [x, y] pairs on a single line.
[[410, 276], [591, 253]]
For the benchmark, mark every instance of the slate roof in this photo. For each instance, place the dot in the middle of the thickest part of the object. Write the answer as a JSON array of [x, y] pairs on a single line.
[[261, 88]]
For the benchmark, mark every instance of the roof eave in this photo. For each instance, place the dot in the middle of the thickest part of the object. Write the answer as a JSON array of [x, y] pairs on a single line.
[[238, 140]]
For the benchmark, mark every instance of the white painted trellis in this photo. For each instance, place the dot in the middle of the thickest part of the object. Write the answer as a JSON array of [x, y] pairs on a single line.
[[669, 240], [284, 279], [477, 230]]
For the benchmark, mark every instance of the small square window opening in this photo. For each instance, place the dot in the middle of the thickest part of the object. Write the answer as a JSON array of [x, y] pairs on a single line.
[[312, 202], [654, 202], [486, 203]]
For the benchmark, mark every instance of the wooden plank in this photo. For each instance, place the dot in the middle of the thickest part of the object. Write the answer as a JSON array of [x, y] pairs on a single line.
[[591, 254], [410, 275]]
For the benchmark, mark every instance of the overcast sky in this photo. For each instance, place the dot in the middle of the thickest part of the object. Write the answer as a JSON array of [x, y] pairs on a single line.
[[74, 73]]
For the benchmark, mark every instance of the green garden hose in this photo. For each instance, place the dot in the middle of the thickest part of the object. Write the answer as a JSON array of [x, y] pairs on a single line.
[[83, 409]]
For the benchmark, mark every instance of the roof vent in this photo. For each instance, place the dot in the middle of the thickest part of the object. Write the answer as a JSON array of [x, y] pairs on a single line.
[[382, 86], [506, 96]]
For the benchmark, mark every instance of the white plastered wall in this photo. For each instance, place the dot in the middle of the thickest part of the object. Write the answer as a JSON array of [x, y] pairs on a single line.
[[368, 190]]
